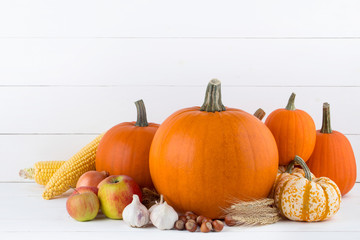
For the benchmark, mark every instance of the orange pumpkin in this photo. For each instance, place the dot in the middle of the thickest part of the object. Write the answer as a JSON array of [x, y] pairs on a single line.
[[301, 197], [333, 156], [202, 157], [124, 149], [294, 131]]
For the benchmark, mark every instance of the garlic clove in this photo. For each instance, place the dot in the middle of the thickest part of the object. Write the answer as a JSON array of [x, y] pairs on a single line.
[[135, 214], [152, 207], [163, 216], [157, 203]]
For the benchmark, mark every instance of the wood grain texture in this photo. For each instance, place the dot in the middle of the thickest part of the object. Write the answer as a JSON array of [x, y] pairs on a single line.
[[27, 213], [186, 18], [96, 109], [184, 62], [66, 65], [22, 151]]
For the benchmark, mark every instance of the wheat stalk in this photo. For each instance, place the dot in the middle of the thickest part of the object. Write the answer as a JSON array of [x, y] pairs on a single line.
[[254, 203], [256, 212]]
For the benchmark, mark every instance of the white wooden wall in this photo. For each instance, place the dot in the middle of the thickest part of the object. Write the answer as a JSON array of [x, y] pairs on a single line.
[[71, 69]]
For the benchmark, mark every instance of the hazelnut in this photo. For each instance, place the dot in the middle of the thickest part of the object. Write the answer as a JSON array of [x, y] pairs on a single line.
[[183, 218], [190, 215], [179, 225], [230, 221], [200, 219], [191, 225], [217, 225], [206, 227]]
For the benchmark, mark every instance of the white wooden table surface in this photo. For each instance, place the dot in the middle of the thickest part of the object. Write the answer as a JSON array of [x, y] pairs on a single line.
[[25, 215]]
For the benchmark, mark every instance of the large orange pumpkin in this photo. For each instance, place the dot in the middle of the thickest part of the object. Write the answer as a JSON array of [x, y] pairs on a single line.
[[124, 149], [294, 131], [333, 156], [201, 158]]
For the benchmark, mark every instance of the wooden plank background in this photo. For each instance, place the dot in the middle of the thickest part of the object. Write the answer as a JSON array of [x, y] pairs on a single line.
[[72, 69], [186, 18]]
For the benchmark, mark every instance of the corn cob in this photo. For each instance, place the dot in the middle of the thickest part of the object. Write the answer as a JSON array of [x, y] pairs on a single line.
[[68, 174], [42, 171]]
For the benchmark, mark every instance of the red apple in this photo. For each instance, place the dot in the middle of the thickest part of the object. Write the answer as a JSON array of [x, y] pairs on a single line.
[[85, 189], [115, 193], [83, 206]]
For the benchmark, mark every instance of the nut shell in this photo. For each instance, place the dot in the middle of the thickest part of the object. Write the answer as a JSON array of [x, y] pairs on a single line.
[[217, 225], [183, 218], [191, 225], [230, 221], [179, 225], [206, 226], [191, 215], [200, 219]]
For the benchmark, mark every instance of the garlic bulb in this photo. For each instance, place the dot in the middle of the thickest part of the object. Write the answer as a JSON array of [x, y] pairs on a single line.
[[153, 206], [135, 214], [163, 216]]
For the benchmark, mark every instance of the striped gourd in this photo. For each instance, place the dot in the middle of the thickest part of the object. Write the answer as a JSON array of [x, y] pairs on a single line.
[[42, 171], [280, 174], [306, 198], [68, 174]]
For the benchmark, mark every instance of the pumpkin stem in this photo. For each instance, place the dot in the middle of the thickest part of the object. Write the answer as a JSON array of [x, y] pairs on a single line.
[[260, 114], [326, 126], [212, 102], [301, 162], [141, 114], [291, 103]]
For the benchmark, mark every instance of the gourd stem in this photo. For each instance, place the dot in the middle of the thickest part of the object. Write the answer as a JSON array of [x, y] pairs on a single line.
[[326, 126], [141, 114], [301, 162], [212, 102], [291, 103], [260, 114]]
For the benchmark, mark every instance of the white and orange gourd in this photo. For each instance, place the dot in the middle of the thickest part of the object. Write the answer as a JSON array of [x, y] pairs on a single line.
[[300, 196]]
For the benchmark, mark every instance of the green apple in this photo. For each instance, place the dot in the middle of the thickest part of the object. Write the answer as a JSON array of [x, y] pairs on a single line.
[[115, 193], [83, 206]]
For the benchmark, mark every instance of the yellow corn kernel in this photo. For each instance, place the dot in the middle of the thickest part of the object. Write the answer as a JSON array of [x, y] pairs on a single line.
[[42, 171], [68, 174]]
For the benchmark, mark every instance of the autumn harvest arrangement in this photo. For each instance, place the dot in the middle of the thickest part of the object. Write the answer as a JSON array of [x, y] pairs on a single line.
[[206, 166]]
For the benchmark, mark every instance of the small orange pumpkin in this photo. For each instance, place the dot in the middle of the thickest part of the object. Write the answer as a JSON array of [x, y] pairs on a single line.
[[333, 156], [294, 131], [124, 149], [306, 198], [202, 157]]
